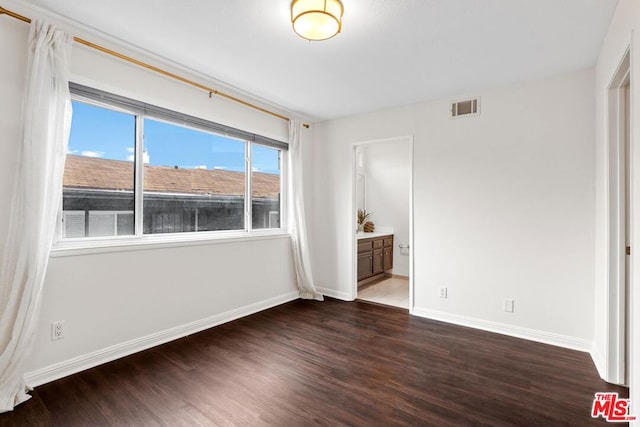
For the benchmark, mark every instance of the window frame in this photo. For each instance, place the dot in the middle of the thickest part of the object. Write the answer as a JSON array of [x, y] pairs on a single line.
[[140, 111]]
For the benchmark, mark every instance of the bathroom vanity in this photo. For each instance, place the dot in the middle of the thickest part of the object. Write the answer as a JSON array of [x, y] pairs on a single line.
[[375, 256]]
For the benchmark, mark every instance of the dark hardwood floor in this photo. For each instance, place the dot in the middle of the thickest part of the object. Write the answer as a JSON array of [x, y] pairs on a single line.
[[328, 363]]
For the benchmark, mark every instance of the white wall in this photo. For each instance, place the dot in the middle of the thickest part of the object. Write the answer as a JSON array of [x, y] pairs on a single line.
[[624, 24], [503, 207], [387, 167], [114, 303], [111, 299]]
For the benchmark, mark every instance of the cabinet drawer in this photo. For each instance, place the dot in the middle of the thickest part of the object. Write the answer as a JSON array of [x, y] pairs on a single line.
[[378, 244], [365, 247], [388, 241]]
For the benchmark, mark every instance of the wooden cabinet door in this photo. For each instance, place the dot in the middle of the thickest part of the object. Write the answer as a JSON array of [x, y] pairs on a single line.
[[387, 259], [365, 265], [377, 261]]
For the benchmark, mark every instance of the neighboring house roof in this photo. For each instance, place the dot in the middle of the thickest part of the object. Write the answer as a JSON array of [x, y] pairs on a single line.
[[117, 175]]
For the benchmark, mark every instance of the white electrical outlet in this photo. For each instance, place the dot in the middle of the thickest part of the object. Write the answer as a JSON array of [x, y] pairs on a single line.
[[507, 305], [57, 330], [443, 291]]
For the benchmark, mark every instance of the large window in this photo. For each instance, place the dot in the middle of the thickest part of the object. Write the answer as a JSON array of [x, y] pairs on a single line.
[[133, 169]]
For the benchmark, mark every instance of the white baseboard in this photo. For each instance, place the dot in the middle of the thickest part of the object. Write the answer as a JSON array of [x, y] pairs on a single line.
[[344, 296], [90, 360], [551, 338]]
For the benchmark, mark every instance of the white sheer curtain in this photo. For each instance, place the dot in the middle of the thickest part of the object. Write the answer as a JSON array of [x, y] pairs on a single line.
[[36, 200], [297, 223]]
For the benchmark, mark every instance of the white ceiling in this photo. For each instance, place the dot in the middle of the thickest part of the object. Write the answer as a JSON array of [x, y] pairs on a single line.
[[390, 52]]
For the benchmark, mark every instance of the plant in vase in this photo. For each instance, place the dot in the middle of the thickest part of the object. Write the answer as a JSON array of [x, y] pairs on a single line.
[[363, 216]]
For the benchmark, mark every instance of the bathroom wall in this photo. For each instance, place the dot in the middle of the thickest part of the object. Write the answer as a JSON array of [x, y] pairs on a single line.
[[387, 167]]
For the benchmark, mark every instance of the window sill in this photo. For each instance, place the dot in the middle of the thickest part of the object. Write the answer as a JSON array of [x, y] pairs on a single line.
[[162, 241]]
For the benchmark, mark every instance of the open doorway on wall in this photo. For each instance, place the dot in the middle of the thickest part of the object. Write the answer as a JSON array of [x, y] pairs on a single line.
[[620, 224], [383, 225]]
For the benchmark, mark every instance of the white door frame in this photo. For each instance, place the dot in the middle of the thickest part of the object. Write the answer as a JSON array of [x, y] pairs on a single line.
[[354, 242], [616, 359]]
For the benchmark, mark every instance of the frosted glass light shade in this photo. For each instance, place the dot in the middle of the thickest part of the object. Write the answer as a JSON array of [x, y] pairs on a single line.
[[316, 19]]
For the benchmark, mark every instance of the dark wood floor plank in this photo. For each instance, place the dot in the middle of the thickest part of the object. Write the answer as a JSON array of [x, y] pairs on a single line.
[[328, 363]]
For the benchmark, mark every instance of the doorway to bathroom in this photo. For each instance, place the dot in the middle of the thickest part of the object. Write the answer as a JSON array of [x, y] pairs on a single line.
[[383, 221]]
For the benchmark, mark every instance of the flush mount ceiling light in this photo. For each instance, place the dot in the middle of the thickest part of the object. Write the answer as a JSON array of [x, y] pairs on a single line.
[[316, 19]]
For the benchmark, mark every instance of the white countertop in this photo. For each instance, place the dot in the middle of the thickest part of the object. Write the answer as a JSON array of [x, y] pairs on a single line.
[[383, 232]]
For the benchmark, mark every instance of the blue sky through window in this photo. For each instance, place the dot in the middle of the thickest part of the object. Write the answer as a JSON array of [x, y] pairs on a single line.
[[103, 133]]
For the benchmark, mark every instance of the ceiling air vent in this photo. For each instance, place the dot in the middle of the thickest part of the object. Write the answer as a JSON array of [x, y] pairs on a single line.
[[468, 107]]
